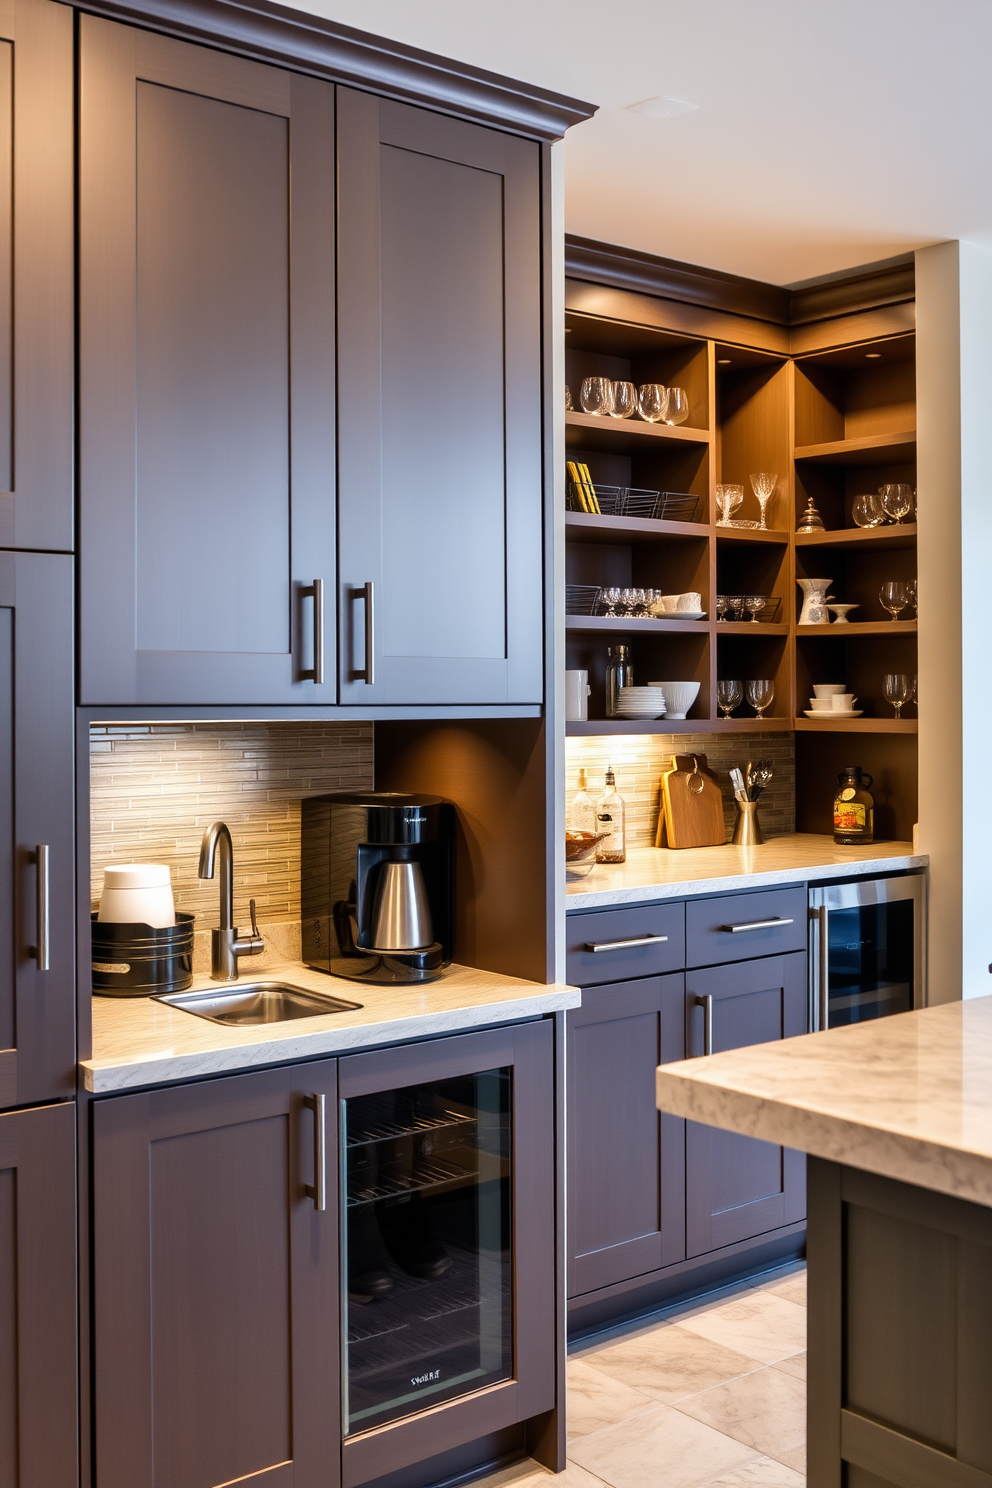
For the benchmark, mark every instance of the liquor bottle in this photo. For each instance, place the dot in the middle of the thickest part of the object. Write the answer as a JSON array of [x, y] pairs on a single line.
[[609, 819], [582, 817], [854, 807], [619, 673]]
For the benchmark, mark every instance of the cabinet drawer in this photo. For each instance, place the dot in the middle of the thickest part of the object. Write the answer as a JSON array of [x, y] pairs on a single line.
[[618, 944], [740, 926]]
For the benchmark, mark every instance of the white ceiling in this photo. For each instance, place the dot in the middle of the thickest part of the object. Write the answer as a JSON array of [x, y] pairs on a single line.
[[826, 135]]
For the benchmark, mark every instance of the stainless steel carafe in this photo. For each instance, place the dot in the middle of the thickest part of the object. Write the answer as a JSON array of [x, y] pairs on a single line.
[[401, 916]]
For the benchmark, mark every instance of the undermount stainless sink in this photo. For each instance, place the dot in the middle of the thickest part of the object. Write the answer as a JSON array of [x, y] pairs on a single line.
[[257, 1002]]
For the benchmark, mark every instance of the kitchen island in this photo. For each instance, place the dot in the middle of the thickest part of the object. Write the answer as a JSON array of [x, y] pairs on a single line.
[[896, 1116]]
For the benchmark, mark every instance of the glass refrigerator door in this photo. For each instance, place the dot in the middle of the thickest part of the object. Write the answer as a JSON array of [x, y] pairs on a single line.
[[428, 1313], [870, 961]]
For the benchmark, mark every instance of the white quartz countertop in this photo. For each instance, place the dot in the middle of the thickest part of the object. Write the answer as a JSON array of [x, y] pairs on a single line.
[[666, 873], [137, 1041], [908, 1097]]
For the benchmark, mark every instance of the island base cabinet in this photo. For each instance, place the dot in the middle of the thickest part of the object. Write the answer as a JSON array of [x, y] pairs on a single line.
[[737, 1187], [215, 1306], [38, 1387]]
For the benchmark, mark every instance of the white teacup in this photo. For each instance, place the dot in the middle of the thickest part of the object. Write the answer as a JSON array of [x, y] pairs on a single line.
[[677, 603], [842, 702], [820, 705], [827, 689]]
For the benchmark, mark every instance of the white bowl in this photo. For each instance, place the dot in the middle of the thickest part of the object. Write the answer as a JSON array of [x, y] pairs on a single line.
[[828, 689], [679, 697]]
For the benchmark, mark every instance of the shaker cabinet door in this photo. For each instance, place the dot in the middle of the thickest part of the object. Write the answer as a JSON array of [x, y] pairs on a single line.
[[37, 908], [626, 1173], [439, 409], [36, 275], [206, 375], [738, 1187], [215, 1303], [38, 1349]]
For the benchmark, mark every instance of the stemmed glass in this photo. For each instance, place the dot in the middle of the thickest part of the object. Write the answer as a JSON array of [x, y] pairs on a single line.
[[911, 592], [611, 599], [721, 606], [898, 690], [735, 607], [728, 499], [624, 400], [596, 395], [653, 402], [678, 406], [760, 695], [763, 485], [729, 696], [867, 511], [754, 604], [893, 596], [896, 500]]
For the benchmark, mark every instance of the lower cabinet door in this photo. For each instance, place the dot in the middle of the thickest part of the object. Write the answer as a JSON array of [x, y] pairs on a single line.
[[626, 1171], [39, 1425], [738, 1187], [215, 1264]]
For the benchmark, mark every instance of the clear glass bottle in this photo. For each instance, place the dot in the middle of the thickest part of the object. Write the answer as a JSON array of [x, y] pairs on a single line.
[[582, 817], [610, 819], [619, 673], [854, 807]]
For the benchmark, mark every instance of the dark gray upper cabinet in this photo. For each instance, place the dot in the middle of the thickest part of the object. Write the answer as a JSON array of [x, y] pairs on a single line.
[[206, 375], [439, 409], [736, 1186], [37, 994], [36, 275]]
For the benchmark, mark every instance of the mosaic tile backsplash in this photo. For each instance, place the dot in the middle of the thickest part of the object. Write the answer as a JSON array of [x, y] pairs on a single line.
[[155, 789], [638, 760]]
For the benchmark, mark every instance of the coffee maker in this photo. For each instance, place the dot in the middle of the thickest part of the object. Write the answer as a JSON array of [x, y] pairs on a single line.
[[377, 880]]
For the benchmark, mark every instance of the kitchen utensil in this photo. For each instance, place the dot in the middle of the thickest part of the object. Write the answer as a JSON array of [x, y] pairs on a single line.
[[577, 692], [898, 688], [624, 400], [137, 894], [747, 831], [652, 400], [679, 697], [728, 695], [894, 597], [763, 485], [815, 596], [760, 694], [677, 410], [840, 612], [692, 805], [596, 395]]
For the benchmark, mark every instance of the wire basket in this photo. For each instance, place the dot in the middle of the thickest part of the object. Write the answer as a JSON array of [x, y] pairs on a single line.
[[632, 501], [582, 599]]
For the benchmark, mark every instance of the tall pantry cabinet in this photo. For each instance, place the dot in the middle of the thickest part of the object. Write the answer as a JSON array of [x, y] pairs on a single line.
[[38, 1373]]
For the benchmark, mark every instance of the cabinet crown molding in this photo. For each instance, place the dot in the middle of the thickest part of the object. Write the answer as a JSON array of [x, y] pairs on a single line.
[[292, 38]]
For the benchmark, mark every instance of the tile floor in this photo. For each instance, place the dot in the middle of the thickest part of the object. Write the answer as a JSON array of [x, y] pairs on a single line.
[[713, 1396]]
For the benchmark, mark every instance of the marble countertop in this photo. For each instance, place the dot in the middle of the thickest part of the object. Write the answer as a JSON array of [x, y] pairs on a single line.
[[908, 1097], [663, 873], [137, 1041]]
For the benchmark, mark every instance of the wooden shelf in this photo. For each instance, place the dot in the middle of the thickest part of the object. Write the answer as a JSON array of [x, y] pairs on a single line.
[[857, 725], [584, 527], [749, 628], [863, 628], [872, 449], [751, 535], [597, 432], [633, 625], [678, 726], [864, 539]]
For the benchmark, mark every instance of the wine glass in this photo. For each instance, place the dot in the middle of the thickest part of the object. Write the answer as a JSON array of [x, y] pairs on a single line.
[[678, 406], [568, 399], [728, 696], [911, 592], [728, 499], [867, 511], [721, 606], [754, 604], [898, 690], [653, 402], [760, 696], [735, 607], [624, 400], [763, 485], [893, 596], [611, 599], [897, 500], [596, 395]]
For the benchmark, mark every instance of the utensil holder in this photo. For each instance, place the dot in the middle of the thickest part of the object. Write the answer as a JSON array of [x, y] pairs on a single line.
[[131, 960], [747, 830]]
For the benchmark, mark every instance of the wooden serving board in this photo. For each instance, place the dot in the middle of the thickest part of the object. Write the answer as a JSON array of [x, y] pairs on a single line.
[[690, 816]]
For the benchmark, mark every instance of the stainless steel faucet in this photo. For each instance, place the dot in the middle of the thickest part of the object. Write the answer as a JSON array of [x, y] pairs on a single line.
[[225, 943]]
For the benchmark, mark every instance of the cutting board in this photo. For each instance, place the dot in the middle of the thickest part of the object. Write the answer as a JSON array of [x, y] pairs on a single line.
[[691, 812]]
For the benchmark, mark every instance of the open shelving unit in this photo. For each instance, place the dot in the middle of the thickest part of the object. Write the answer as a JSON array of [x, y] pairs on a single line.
[[833, 420]]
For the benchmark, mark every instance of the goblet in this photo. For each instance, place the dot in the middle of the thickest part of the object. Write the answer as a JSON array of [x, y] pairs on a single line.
[[897, 500], [760, 695], [728, 696], [866, 510], [911, 591], [893, 596], [653, 402], [721, 606], [596, 395], [624, 400], [898, 690], [611, 599], [678, 406], [754, 604], [568, 398], [735, 607], [763, 485], [728, 499]]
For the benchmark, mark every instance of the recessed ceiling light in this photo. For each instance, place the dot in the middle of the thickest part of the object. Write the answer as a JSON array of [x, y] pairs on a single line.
[[871, 354], [662, 107]]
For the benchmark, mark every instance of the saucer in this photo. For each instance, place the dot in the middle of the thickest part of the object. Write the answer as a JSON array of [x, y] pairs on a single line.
[[832, 713]]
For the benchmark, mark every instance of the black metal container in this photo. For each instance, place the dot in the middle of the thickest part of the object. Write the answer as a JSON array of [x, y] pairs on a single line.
[[138, 960]]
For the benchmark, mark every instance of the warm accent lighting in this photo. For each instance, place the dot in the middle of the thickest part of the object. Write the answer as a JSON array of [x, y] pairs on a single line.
[[723, 361], [869, 355]]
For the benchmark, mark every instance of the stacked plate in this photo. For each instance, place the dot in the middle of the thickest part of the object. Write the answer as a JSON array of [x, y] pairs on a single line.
[[641, 702]]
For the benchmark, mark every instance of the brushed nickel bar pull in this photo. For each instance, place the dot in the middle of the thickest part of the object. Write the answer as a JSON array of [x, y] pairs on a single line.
[[756, 925], [621, 945], [706, 1003], [369, 634], [40, 952], [823, 914], [317, 1190], [315, 591]]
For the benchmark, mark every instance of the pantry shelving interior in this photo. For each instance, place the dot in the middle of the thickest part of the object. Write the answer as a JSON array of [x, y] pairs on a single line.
[[830, 408]]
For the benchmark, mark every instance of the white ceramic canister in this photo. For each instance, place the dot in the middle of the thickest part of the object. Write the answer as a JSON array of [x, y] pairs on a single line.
[[137, 894]]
